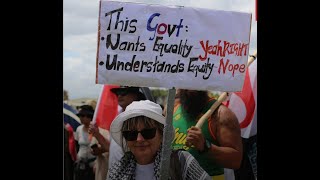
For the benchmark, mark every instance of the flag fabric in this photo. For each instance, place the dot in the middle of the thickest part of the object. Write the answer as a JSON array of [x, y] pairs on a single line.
[[71, 121], [107, 107], [70, 117], [244, 103], [71, 142]]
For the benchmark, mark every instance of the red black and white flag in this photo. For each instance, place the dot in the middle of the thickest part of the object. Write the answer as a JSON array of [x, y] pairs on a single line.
[[244, 103]]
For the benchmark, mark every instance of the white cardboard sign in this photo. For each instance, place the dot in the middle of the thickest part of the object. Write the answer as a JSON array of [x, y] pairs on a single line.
[[170, 46]]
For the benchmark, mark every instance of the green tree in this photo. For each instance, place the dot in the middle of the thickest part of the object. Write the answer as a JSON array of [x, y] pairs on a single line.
[[159, 94]]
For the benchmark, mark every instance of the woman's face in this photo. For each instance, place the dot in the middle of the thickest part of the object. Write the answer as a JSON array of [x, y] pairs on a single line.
[[125, 99], [85, 120], [143, 149]]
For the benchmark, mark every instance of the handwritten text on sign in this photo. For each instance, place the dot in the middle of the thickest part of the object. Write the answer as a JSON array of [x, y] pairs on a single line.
[[164, 46]]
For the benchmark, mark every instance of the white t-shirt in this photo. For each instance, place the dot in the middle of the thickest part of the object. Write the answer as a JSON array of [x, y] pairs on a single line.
[[84, 143], [115, 152], [144, 172]]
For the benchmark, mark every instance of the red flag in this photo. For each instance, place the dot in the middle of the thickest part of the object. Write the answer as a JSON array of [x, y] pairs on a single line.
[[107, 107], [72, 143], [243, 103]]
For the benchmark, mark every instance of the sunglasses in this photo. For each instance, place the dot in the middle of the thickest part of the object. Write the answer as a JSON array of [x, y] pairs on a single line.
[[122, 92], [146, 133]]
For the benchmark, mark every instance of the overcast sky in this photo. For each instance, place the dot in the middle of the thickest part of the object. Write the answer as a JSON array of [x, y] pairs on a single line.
[[80, 24]]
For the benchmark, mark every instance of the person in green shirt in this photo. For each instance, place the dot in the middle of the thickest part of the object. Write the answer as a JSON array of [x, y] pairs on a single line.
[[217, 144]]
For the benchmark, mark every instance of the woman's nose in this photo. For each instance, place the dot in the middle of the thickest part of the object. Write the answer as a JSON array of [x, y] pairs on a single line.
[[140, 137]]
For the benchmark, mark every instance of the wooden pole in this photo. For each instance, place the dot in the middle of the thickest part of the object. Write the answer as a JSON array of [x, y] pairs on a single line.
[[221, 98]]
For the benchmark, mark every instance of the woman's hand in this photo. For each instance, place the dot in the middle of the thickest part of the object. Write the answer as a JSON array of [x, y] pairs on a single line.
[[93, 129]]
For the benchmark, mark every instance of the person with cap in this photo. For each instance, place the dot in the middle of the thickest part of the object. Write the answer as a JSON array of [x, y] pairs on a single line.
[[85, 160], [139, 131], [128, 94]]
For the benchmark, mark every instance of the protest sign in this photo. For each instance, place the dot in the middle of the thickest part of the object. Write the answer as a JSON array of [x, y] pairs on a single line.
[[171, 46]]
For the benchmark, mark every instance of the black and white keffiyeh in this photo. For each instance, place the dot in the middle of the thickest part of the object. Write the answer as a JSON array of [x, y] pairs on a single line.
[[125, 168], [190, 168]]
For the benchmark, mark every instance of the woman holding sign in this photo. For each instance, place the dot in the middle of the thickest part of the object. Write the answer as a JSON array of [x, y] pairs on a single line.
[[139, 131]]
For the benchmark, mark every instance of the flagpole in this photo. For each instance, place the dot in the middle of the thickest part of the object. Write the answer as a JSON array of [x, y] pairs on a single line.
[[94, 119], [221, 98], [167, 137]]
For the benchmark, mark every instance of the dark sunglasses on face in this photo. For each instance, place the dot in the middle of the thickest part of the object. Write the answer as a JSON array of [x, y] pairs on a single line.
[[146, 133], [122, 93]]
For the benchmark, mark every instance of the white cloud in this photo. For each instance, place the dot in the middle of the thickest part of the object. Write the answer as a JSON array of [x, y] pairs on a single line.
[[80, 24]]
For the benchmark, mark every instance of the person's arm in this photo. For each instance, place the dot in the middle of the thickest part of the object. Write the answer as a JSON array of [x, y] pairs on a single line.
[[228, 134], [226, 127], [104, 143]]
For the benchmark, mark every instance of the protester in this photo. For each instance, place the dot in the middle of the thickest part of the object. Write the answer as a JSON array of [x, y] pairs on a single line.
[[85, 160], [126, 95], [139, 131], [217, 144]]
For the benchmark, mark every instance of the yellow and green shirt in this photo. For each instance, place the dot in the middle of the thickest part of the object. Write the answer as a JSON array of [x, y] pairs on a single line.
[[181, 123]]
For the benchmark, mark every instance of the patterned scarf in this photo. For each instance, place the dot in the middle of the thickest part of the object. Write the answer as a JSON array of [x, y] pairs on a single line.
[[125, 168], [182, 166]]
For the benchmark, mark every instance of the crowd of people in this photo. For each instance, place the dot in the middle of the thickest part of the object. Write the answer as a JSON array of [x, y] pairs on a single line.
[[131, 149]]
